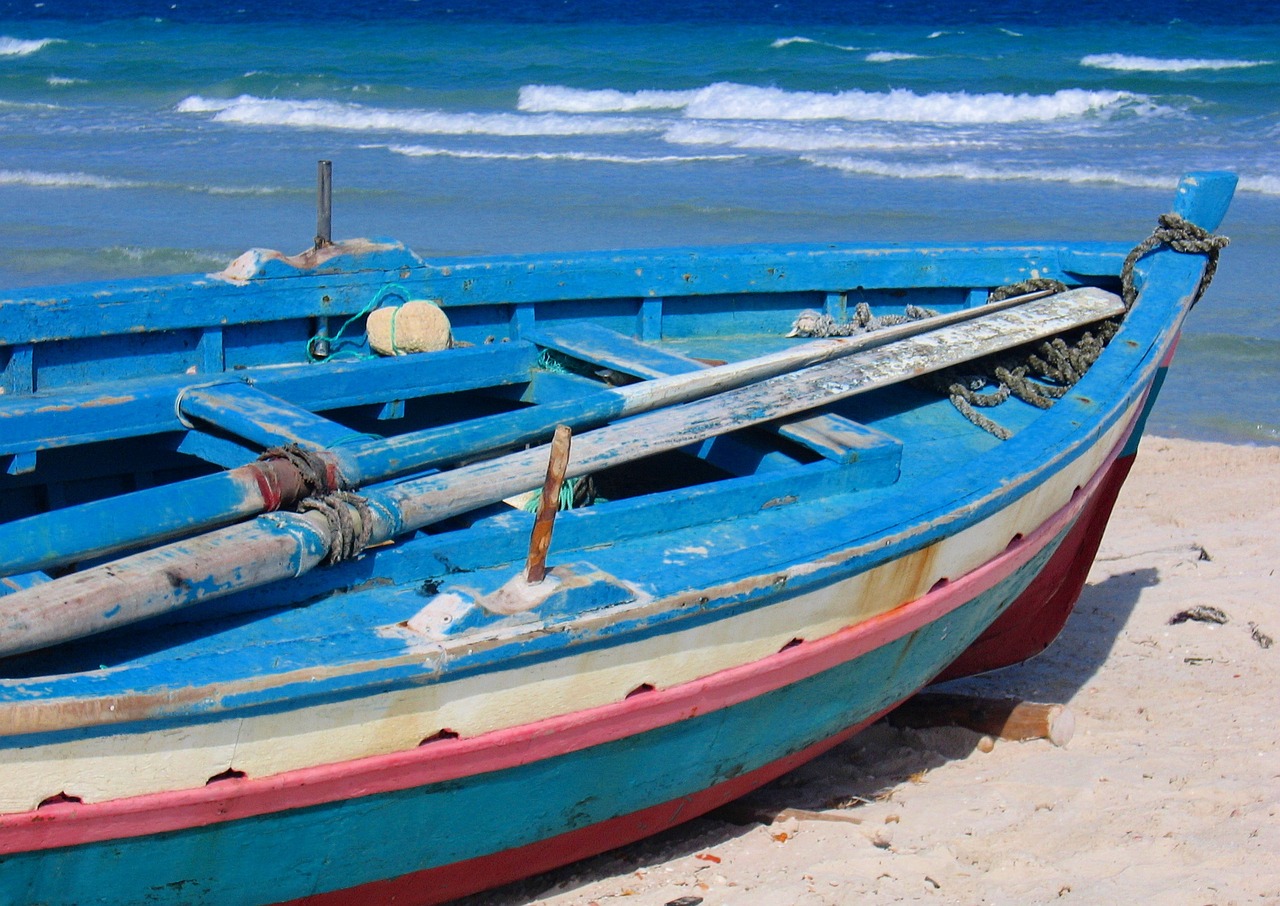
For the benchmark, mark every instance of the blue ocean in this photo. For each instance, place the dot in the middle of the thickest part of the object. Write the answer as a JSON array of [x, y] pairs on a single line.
[[165, 137]]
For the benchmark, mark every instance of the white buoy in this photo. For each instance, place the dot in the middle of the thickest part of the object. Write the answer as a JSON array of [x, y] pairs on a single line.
[[416, 326]]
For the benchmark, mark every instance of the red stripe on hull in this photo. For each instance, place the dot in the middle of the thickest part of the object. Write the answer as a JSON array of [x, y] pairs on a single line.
[[1036, 617], [448, 882]]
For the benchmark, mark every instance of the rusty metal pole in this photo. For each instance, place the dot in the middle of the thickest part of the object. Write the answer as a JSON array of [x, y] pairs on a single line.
[[324, 203], [548, 506]]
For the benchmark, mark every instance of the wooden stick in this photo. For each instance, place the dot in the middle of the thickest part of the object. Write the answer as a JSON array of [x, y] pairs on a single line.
[[1006, 718], [548, 506]]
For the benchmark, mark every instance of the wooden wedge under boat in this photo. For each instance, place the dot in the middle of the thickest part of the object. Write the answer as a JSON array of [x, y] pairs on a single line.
[[279, 623]]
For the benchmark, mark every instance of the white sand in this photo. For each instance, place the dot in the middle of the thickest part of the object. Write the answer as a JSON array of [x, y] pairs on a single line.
[[1169, 792]]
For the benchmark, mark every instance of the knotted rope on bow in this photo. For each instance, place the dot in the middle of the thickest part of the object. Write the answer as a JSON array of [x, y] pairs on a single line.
[[1183, 236]]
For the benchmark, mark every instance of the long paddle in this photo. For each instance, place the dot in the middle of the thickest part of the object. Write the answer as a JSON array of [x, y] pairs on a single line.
[[155, 515], [283, 545]]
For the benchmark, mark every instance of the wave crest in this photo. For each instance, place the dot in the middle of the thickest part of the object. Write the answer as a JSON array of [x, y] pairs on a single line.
[[727, 101], [18, 47], [890, 56], [798, 39], [730, 101], [573, 156], [558, 99], [316, 114], [45, 180], [1127, 63], [1263, 185]]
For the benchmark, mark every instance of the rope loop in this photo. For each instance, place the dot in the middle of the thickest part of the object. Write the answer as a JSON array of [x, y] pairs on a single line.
[[1181, 235], [310, 465], [1032, 285], [321, 348], [348, 533], [812, 323]]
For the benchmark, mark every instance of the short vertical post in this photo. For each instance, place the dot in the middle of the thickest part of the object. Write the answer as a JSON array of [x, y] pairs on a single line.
[[548, 506], [324, 203]]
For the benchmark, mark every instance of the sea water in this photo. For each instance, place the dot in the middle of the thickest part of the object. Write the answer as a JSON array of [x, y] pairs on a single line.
[[142, 138]]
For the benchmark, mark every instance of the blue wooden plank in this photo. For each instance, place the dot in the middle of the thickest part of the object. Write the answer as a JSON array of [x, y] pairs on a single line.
[[281, 292], [245, 411], [10, 584], [147, 406], [601, 346], [19, 371], [843, 440], [674, 273], [832, 436], [342, 285]]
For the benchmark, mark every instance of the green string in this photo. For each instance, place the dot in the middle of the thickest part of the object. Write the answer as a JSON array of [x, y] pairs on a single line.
[[391, 289]]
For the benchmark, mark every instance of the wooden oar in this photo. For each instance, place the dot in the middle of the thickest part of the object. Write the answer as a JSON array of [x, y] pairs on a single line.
[[283, 545], [148, 517]]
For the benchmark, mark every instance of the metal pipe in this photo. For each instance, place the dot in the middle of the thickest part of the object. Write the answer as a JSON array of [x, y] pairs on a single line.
[[324, 203]]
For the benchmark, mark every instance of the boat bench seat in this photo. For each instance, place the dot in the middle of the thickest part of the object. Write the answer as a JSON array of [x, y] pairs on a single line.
[[830, 435]]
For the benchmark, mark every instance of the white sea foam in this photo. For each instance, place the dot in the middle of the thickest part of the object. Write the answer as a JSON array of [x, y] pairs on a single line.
[[958, 170], [314, 114], [60, 81], [784, 42], [1127, 63], [43, 179], [558, 99], [728, 100], [18, 47], [1263, 185], [802, 138], [575, 156], [889, 56]]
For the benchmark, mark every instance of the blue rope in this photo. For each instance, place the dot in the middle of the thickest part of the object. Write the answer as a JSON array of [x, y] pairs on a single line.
[[391, 289]]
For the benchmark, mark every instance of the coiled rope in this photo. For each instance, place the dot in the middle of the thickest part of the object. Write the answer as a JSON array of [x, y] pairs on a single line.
[[347, 535], [1045, 375], [1183, 236], [311, 466], [813, 323]]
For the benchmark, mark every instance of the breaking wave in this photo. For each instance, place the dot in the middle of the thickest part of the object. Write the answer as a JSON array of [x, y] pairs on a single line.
[[576, 156], [1126, 63], [557, 99], [889, 56], [1263, 185], [315, 114], [974, 172], [17, 47], [784, 42], [41, 179], [727, 100], [787, 137]]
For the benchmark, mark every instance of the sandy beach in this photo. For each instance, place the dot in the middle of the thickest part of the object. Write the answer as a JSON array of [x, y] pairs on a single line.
[[1168, 792]]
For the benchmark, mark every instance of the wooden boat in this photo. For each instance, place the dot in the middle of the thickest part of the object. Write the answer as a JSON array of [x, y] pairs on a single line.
[[272, 633]]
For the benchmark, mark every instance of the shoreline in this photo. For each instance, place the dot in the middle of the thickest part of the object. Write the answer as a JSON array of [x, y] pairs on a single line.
[[1169, 791]]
